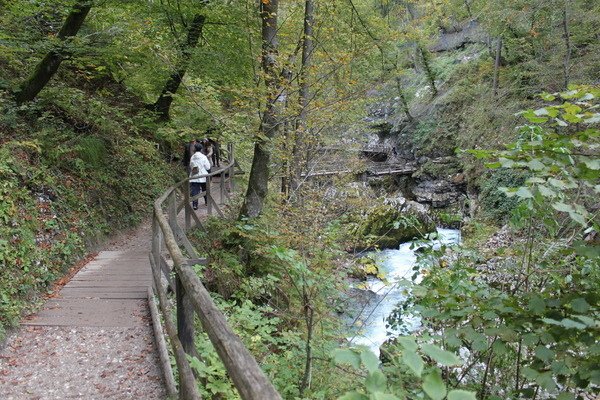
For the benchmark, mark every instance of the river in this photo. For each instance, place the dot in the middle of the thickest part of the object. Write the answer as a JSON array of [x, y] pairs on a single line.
[[396, 264]]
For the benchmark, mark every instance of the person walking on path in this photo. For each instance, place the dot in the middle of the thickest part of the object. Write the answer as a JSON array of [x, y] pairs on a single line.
[[199, 165], [216, 153], [188, 151], [208, 151]]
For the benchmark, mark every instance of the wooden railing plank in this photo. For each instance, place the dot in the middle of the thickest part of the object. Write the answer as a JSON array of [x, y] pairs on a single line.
[[185, 318], [244, 371], [166, 270], [183, 240], [161, 345], [188, 389]]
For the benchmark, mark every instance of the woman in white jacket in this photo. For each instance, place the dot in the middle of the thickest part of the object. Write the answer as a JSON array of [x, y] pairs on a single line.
[[199, 165]]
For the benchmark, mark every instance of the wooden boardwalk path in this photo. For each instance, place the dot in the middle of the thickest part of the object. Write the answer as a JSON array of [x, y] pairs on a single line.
[[93, 339], [110, 291]]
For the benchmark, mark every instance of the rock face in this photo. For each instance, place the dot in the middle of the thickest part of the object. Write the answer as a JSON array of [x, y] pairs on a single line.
[[470, 33], [439, 193]]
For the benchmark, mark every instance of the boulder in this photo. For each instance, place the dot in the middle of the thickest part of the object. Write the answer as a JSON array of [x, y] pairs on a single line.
[[389, 224], [364, 267], [438, 193]]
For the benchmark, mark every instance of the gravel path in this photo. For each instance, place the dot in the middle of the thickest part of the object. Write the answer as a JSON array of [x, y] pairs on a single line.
[[81, 363]]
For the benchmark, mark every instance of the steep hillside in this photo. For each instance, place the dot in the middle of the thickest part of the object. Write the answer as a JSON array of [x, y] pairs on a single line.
[[465, 113]]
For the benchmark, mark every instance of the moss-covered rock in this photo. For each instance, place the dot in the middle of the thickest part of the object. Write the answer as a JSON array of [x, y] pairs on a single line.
[[388, 225], [364, 267]]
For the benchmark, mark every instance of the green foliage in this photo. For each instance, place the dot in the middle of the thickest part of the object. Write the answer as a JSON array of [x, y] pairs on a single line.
[[381, 382], [276, 349], [74, 167], [36, 243], [561, 160], [494, 204], [531, 316], [276, 274], [84, 159], [92, 151], [448, 219]]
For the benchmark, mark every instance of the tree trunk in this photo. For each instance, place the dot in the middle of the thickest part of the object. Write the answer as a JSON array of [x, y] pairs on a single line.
[[163, 103], [259, 172], [567, 37], [428, 71], [468, 6], [403, 100], [299, 149], [309, 313], [497, 65], [48, 66], [421, 54], [288, 124], [412, 11]]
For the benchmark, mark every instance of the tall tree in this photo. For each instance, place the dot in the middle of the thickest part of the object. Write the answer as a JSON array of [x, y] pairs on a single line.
[[162, 105], [301, 126], [567, 38], [495, 83], [422, 55], [403, 100], [48, 66], [269, 126]]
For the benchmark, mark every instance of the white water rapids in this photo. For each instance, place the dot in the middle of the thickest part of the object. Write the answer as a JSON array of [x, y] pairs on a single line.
[[396, 265]]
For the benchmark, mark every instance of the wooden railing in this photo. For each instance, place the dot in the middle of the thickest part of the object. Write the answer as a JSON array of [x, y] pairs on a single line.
[[169, 240], [350, 148]]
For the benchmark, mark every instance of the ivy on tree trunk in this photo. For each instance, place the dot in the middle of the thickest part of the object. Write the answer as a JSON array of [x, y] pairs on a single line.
[[259, 172], [48, 66], [162, 105]]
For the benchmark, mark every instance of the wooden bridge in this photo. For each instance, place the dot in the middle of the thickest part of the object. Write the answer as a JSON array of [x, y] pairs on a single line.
[[377, 161]]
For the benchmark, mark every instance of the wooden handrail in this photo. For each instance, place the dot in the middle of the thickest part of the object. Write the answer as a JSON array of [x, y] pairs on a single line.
[[242, 368]]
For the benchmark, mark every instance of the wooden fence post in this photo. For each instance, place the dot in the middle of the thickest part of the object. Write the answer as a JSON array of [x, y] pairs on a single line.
[[172, 212], [208, 197], [185, 313], [185, 318], [186, 208], [231, 171], [156, 240], [222, 186]]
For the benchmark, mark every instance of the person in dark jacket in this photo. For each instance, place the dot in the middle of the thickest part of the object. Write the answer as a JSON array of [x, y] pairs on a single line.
[[216, 155], [188, 151]]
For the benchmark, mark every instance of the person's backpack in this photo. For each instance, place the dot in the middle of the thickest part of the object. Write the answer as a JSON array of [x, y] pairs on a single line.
[[195, 171]]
